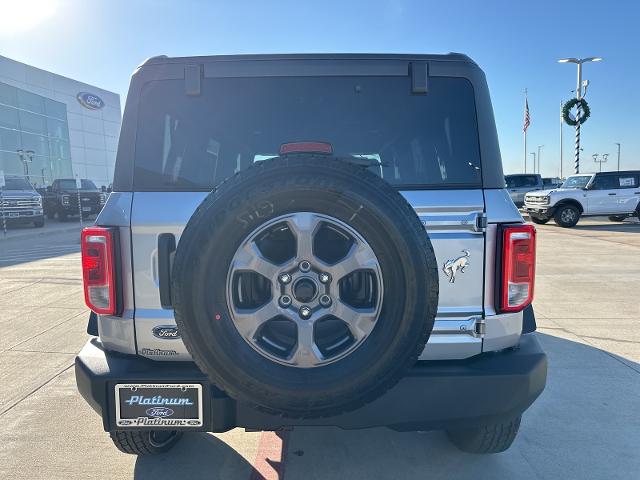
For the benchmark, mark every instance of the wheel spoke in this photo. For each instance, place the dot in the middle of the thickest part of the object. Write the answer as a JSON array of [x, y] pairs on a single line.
[[359, 320], [360, 257], [248, 321], [304, 225], [250, 258], [306, 353]]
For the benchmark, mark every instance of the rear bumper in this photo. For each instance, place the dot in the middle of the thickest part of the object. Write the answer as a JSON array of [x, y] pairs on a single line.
[[433, 395]]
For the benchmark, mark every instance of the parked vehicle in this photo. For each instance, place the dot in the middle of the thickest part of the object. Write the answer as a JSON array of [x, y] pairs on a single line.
[[308, 240], [21, 203], [551, 182], [612, 194], [519, 184], [61, 198]]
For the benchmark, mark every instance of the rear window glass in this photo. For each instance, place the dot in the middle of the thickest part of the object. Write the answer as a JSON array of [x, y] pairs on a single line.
[[195, 142], [627, 181], [71, 185], [515, 181]]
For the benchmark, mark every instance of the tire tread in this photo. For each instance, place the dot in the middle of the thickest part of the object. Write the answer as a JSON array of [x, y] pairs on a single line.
[[493, 438], [136, 442]]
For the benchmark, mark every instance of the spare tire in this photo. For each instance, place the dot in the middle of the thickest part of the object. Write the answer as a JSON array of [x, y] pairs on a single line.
[[305, 287]]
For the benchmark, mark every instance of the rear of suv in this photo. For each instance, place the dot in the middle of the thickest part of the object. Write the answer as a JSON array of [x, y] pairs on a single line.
[[520, 184], [612, 194], [309, 240]]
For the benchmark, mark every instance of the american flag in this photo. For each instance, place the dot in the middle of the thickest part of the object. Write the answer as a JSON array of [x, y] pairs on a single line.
[[527, 118]]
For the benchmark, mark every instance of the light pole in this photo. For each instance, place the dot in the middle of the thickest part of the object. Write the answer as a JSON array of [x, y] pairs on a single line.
[[602, 160], [534, 161], [618, 155], [579, 62], [26, 156], [539, 147]]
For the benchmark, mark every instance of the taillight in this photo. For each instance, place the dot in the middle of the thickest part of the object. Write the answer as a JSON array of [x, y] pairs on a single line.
[[518, 267], [98, 269]]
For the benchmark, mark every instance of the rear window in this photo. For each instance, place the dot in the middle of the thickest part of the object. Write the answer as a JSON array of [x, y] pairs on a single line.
[[71, 185], [411, 140], [517, 181]]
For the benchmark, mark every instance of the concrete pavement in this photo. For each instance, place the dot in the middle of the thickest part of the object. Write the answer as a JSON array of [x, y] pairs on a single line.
[[51, 227], [585, 424]]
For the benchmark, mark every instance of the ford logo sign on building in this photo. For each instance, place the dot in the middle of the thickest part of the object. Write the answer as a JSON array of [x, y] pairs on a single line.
[[90, 101]]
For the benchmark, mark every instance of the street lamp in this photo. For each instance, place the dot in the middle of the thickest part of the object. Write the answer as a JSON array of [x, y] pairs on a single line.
[[579, 62], [26, 156], [602, 160], [618, 155], [534, 161], [539, 156]]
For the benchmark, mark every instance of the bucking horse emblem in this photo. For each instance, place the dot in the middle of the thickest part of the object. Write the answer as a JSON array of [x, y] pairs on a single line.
[[455, 265]]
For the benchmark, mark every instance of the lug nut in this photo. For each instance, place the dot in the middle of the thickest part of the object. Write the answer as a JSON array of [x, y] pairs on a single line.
[[284, 278], [325, 300], [324, 277], [305, 312], [304, 266], [285, 301]]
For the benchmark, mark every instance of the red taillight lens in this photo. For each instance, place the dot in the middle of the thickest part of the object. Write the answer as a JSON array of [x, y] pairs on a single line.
[[98, 269], [518, 267]]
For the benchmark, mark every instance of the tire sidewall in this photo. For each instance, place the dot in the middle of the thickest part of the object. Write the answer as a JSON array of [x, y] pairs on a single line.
[[558, 216], [229, 215]]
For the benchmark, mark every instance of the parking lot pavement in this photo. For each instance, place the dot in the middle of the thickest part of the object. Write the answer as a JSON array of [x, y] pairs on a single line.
[[585, 424], [51, 227]]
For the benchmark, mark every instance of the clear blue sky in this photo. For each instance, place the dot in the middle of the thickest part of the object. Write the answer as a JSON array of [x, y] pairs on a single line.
[[516, 43]]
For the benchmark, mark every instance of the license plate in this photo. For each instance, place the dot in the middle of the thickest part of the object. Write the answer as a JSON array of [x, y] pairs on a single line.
[[86, 209], [13, 214], [158, 405]]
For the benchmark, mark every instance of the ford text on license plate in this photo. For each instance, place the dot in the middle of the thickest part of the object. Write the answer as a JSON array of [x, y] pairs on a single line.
[[158, 405]]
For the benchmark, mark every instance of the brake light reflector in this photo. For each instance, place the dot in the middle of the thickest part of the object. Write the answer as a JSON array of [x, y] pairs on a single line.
[[98, 269], [518, 267]]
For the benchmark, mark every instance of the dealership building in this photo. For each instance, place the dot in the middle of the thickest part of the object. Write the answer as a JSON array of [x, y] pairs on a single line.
[[55, 127]]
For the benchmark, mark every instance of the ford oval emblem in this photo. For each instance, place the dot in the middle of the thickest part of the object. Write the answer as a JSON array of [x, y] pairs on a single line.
[[166, 332], [159, 412], [90, 101]]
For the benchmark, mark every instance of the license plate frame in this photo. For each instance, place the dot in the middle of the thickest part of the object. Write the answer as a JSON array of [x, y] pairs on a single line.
[[158, 406], [86, 209]]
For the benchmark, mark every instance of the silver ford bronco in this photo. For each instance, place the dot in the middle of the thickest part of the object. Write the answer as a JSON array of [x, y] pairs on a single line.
[[309, 240]]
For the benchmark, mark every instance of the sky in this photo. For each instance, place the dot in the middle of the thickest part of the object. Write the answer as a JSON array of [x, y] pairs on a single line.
[[516, 43]]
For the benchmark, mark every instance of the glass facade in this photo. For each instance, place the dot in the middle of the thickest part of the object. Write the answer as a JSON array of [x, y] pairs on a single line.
[[34, 136]]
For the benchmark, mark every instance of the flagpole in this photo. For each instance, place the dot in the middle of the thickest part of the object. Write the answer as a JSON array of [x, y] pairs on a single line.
[[525, 134]]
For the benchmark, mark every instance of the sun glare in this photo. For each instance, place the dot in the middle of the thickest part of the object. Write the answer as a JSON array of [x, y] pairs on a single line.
[[18, 16]]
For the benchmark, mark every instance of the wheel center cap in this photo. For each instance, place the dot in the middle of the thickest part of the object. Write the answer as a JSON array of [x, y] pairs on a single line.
[[305, 290]]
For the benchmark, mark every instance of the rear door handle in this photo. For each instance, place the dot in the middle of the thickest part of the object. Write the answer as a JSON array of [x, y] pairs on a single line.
[[636, 193], [166, 248], [612, 194]]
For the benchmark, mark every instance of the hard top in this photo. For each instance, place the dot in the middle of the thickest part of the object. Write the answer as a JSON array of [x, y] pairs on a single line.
[[444, 57]]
